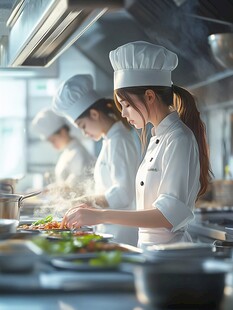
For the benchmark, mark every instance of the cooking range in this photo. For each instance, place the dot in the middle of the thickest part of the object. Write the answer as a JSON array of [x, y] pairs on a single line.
[[212, 223]]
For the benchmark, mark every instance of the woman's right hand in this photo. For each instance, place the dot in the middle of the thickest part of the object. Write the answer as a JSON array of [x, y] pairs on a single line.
[[82, 215]]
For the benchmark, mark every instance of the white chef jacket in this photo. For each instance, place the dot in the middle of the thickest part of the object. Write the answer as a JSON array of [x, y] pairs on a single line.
[[168, 180], [74, 164], [114, 175]]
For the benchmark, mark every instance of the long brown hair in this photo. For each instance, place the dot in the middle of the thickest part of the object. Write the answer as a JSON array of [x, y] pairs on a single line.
[[107, 107], [184, 103]]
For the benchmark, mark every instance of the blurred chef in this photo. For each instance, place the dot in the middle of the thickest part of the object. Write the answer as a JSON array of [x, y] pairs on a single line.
[[75, 162], [117, 163]]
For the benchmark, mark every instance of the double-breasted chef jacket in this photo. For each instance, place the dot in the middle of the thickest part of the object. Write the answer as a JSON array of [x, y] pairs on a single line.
[[168, 180], [74, 164], [114, 174]]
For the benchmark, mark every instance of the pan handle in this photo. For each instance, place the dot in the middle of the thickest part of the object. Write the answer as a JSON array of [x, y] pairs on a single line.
[[30, 195]]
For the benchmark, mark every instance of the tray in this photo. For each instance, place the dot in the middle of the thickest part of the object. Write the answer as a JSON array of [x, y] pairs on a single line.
[[84, 228], [82, 262]]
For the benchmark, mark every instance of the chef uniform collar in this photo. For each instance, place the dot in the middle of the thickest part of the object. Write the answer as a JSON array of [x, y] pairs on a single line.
[[75, 96], [162, 127], [46, 123], [115, 127], [142, 63]]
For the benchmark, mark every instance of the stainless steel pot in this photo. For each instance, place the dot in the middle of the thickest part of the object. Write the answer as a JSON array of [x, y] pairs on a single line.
[[190, 283], [10, 204]]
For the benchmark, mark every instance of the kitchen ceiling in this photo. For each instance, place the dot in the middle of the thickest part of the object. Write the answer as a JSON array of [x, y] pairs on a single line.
[[6, 4], [182, 26]]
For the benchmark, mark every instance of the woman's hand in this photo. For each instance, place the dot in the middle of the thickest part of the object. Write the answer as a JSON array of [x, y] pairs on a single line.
[[82, 215]]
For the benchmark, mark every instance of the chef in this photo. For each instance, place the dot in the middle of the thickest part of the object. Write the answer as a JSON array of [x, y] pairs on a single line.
[[118, 160], [75, 162], [175, 170]]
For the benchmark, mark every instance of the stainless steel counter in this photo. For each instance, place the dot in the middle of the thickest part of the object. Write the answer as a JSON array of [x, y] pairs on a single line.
[[84, 301], [46, 288], [70, 301]]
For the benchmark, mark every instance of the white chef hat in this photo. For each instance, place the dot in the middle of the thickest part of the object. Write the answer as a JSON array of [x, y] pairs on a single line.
[[46, 123], [142, 64], [75, 96]]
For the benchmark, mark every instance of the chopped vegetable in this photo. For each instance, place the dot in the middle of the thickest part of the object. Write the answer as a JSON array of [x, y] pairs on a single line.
[[107, 259], [47, 219]]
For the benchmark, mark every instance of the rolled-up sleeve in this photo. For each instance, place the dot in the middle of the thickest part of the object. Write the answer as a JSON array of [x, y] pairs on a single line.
[[174, 210], [179, 183]]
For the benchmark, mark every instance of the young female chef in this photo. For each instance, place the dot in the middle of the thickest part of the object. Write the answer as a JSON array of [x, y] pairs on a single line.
[[75, 162], [117, 163], [175, 170]]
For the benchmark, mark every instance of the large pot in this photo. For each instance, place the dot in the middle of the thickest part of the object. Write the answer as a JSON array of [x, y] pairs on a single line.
[[181, 284], [10, 205]]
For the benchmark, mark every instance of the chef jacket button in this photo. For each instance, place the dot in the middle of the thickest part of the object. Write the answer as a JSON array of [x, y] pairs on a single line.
[[141, 183], [157, 141]]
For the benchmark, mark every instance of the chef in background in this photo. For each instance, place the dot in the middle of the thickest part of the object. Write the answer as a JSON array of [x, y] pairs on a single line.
[[118, 160], [75, 163]]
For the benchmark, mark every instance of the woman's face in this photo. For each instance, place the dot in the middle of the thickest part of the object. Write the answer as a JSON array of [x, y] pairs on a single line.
[[90, 126], [57, 141], [132, 115]]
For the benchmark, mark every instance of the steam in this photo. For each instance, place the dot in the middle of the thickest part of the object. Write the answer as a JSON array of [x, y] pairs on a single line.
[[60, 197]]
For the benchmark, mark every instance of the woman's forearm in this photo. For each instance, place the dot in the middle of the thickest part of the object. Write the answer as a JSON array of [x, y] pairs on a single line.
[[92, 201], [146, 218]]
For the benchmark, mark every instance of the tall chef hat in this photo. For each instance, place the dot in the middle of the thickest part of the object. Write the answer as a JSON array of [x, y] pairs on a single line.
[[75, 96], [46, 123], [142, 64]]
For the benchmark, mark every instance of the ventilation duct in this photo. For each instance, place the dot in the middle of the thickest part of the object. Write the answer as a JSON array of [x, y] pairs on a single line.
[[41, 30]]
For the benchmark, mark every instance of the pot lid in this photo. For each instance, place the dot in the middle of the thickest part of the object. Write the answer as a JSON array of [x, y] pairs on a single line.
[[10, 197]]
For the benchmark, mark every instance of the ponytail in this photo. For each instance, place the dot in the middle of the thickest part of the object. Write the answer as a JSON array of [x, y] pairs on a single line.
[[185, 105]]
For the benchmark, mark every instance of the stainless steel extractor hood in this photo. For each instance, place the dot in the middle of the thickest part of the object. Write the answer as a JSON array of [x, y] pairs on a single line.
[[41, 30]]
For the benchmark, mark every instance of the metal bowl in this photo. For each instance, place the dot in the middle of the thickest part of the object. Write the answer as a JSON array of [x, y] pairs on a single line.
[[181, 283], [8, 226], [222, 48], [18, 256]]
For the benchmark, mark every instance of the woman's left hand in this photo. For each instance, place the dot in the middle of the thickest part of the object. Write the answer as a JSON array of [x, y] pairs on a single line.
[[80, 216]]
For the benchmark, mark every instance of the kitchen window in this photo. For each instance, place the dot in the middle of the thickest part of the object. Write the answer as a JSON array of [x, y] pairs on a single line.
[[12, 128]]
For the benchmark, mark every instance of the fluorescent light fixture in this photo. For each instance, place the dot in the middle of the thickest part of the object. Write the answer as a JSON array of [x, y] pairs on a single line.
[[16, 74]]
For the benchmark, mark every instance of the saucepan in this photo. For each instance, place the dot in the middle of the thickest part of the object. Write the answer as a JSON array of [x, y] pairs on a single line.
[[10, 204]]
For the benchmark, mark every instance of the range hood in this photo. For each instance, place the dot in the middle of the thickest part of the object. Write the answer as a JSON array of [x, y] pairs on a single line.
[[40, 31]]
